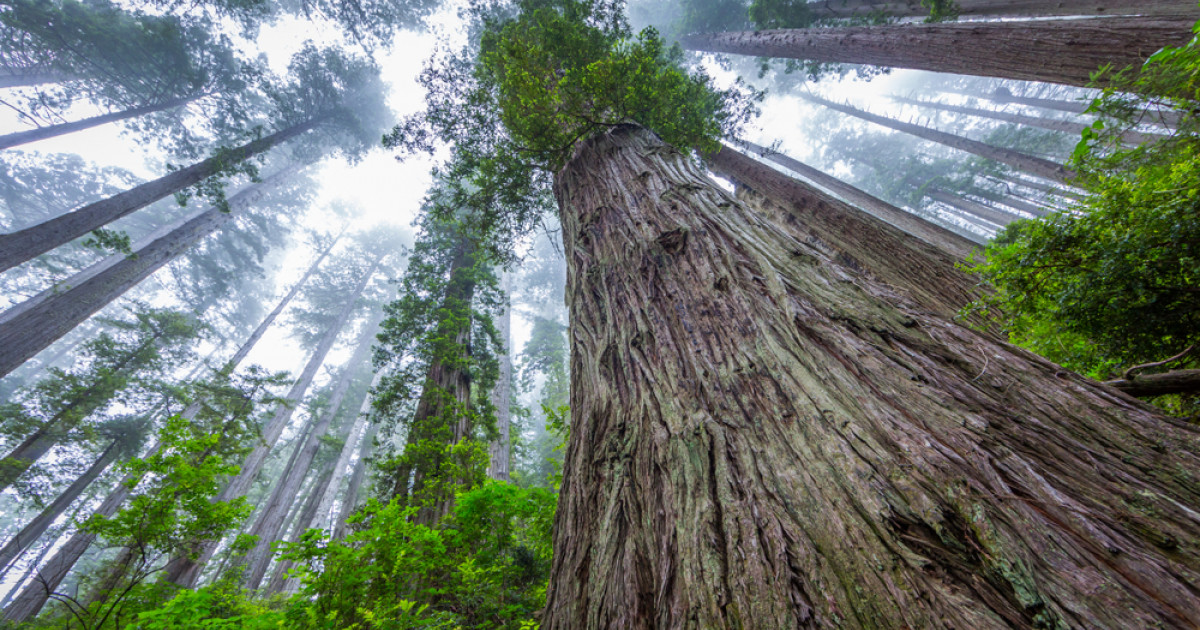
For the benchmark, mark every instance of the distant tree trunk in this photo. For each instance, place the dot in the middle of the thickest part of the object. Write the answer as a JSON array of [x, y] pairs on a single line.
[[303, 522], [971, 207], [1173, 382], [40, 523], [763, 438], [1019, 8], [1063, 126], [28, 328], [22, 245], [31, 78], [1024, 205], [862, 242], [1064, 51], [500, 449], [53, 131], [447, 386], [1016, 159], [270, 520], [353, 438], [185, 571], [350, 500], [952, 244]]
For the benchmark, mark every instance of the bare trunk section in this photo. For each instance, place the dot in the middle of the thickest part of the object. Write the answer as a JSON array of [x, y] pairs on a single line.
[[350, 500], [444, 399], [270, 521], [862, 242], [354, 437], [971, 207], [31, 78], [1022, 204], [762, 439], [28, 328], [304, 519], [1017, 8], [1028, 163], [499, 450], [1056, 51], [952, 244], [22, 245], [40, 523], [184, 571], [1063, 126], [1173, 382], [53, 131]]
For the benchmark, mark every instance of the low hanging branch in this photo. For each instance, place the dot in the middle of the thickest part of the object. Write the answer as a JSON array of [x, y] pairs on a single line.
[[1173, 382]]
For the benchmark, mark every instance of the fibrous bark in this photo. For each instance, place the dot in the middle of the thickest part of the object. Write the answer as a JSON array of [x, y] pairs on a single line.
[[1064, 51], [1020, 8], [498, 451], [762, 439], [1028, 163]]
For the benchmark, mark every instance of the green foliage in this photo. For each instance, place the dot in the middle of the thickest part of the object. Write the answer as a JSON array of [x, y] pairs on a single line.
[[110, 240], [941, 10], [1114, 281]]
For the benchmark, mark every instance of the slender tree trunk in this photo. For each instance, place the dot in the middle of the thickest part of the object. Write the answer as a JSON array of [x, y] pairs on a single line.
[[1064, 51], [952, 244], [500, 449], [303, 522], [35, 528], [22, 245], [270, 521], [762, 438], [31, 78], [30, 327], [353, 438], [1016, 159], [971, 207], [1024, 205], [1063, 126], [1173, 382], [350, 500], [184, 571], [1019, 8], [864, 243], [53, 131]]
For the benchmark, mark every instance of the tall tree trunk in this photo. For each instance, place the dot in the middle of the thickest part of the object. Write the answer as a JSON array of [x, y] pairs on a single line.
[[971, 207], [27, 328], [30, 78], [22, 245], [861, 241], [350, 499], [1019, 8], [499, 452], [1017, 202], [762, 438], [353, 439], [1064, 126], [1016, 159], [303, 522], [952, 244], [447, 388], [1057, 51], [184, 571], [40, 523], [270, 521], [8, 141]]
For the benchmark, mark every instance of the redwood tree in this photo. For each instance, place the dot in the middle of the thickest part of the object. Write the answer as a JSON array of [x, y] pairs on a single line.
[[762, 437]]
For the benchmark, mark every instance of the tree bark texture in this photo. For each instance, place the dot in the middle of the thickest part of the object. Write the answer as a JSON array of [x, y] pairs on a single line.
[[22, 245], [499, 450], [8, 141], [1173, 382], [863, 243], [28, 328], [1056, 51], [29, 534], [185, 571], [762, 439], [1019, 8], [1027, 163], [1063, 126], [269, 523], [952, 244]]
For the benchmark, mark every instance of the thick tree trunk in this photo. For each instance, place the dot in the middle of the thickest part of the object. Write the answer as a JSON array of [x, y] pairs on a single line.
[[53, 131], [500, 448], [40, 523], [269, 523], [184, 571], [1016, 159], [28, 328], [1064, 126], [22, 245], [1057, 51], [445, 398], [1018, 8], [862, 242], [761, 438], [952, 244]]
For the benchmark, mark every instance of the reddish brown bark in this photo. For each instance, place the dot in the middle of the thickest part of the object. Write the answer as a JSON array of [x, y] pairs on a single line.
[[761, 438], [1057, 51], [1023, 8]]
